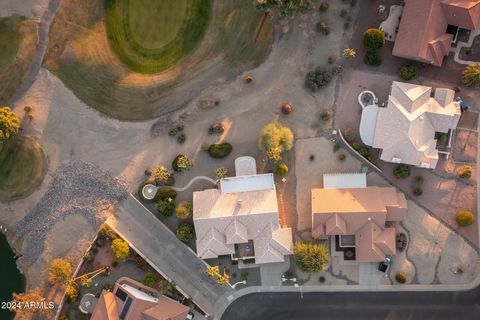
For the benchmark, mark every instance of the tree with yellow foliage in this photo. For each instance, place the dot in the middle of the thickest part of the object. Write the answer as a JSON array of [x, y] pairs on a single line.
[[121, 249], [9, 123], [37, 304], [60, 271]]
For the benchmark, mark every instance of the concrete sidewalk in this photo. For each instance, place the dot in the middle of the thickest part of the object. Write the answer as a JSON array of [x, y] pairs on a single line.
[[163, 251]]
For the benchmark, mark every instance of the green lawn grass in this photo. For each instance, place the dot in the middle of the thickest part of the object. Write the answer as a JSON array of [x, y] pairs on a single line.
[[151, 36], [9, 41], [22, 168]]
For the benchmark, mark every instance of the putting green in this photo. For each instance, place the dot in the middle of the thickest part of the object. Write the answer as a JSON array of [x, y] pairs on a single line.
[[150, 36], [22, 168]]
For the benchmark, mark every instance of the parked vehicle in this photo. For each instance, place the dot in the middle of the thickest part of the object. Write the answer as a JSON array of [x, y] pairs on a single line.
[[384, 265]]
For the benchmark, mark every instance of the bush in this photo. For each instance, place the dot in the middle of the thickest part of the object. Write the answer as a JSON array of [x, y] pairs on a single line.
[[165, 208], [464, 218], [349, 134], [325, 115], [324, 5], [162, 175], [150, 279], [311, 157], [323, 28], [465, 172], [120, 249], [286, 108], [185, 231], [372, 59], [364, 151], [318, 78], [321, 279], [442, 138], [332, 59], [470, 76], [107, 232], [275, 139], [372, 159], [402, 171], [373, 39], [336, 146], [342, 157], [220, 150], [181, 138], [311, 257], [356, 145], [221, 173], [165, 194], [343, 13], [408, 72], [281, 170], [182, 163], [184, 210], [417, 191], [401, 277]]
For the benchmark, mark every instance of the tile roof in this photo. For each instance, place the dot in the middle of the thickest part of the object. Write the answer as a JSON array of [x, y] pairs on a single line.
[[422, 31], [372, 243], [405, 129]]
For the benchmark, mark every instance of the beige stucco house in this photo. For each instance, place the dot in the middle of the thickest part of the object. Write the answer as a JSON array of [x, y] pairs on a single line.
[[422, 33], [240, 218], [131, 300], [405, 128], [345, 206]]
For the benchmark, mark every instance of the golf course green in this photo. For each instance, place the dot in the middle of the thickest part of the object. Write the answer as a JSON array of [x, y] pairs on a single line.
[[150, 36]]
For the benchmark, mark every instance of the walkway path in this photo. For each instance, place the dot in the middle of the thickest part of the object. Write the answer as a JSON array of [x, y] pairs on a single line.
[[192, 181], [169, 256], [43, 30]]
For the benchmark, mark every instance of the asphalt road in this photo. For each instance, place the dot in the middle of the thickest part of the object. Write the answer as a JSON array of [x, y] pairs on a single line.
[[357, 306]]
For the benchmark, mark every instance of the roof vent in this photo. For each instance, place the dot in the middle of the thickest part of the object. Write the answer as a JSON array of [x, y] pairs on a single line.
[[369, 219], [421, 117]]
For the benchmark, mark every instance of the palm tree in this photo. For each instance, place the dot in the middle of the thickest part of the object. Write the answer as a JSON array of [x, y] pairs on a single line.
[[471, 75]]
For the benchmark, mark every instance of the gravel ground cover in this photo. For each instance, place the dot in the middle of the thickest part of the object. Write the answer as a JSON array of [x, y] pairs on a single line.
[[77, 188]]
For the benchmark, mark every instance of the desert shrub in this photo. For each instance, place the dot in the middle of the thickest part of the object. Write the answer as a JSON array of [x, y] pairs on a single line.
[[372, 159], [408, 72], [311, 257], [349, 134], [286, 108], [464, 218], [456, 89], [60, 271], [165, 194], [323, 28], [342, 157], [401, 277], [325, 115], [324, 5], [9, 123], [402, 171], [321, 279], [318, 78], [150, 279], [275, 139], [343, 13], [220, 150], [336, 146], [332, 59], [311, 157], [288, 275], [465, 172], [185, 231], [72, 292], [161, 175], [221, 173], [165, 208], [182, 163], [373, 39], [417, 191], [471, 75], [372, 59], [181, 138], [364, 152], [281, 170], [356, 145], [184, 210]]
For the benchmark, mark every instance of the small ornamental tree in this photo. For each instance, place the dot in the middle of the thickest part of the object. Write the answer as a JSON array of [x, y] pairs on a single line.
[[60, 271], [408, 72], [349, 54], [35, 301], [72, 292], [464, 218], [221, 173], [184, 210], [150, 279], [165, 207], [220, 150], [373, 39], [120, 249], [471, 75], [9, 123], [318, 78], [182, 163], [275, 139], [185, 231], [311, 257]]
